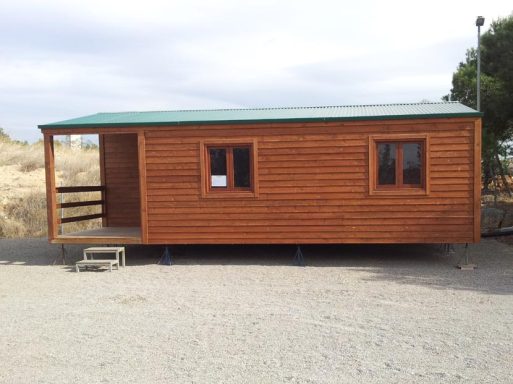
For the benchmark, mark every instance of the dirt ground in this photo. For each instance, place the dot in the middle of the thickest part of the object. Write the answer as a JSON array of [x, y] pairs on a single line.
[[401, 314]]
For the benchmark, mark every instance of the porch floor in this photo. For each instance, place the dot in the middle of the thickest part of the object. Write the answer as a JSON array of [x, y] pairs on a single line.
[[105, 235]]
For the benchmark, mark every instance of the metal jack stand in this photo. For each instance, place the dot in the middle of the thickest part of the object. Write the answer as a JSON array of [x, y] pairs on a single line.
[[466, 266], [166, 258], [299, 260], [63, 256], [447, 249]]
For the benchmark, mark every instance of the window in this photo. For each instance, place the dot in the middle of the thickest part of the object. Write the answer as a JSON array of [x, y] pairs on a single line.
[[398, 166], [228, 169]]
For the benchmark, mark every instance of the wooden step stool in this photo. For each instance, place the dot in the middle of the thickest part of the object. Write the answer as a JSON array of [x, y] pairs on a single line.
[[117, 251]]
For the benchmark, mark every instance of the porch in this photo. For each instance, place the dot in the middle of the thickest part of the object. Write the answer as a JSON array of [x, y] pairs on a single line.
[[112, 209]]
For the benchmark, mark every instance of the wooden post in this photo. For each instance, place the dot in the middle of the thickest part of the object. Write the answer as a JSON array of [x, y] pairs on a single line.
[[103, 179], [51, 204], [141, 151]]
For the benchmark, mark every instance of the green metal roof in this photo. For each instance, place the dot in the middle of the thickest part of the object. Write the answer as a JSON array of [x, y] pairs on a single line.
[[263, 115]]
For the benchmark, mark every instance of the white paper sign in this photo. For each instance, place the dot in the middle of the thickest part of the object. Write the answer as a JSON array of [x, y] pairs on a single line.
[[218, 181]]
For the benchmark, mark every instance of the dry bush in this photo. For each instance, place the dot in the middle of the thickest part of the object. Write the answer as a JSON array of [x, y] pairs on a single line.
[[77, 167], [29, 166], [27, 157], [74, 166], [25, 217], [11, 228]]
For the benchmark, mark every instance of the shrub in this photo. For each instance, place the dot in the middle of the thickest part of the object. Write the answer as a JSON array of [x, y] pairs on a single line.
[[27, 157], [3, 135], [30, 165], [26, 216], [77, 167]]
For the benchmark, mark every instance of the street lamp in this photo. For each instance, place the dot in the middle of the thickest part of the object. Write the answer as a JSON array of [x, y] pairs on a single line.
[[479, 23]]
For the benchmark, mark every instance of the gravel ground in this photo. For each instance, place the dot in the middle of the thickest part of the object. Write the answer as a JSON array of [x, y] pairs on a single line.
[[400, 314]]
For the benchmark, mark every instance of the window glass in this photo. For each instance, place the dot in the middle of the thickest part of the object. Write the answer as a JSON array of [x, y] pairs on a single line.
[[218, 174], [386, 163], [241, 167], [412, 162]]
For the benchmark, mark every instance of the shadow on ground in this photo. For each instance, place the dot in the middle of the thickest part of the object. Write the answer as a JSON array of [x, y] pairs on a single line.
[[425, 265]]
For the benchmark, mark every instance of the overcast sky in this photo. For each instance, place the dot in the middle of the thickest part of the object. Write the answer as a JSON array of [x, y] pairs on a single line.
[[64, 59]]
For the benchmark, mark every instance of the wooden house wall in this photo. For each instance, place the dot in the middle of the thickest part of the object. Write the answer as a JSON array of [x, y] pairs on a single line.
[[121, 177], [313, 186]]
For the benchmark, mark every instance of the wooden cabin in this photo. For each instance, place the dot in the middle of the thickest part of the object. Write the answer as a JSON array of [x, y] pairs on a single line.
[[397, 173]]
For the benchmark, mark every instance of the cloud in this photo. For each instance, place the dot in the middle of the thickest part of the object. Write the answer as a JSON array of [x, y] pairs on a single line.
[[61, 59]]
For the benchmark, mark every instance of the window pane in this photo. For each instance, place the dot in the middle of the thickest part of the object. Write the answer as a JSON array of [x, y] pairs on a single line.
[[218, 167], [412, 163], [241, 164], [386, 163]]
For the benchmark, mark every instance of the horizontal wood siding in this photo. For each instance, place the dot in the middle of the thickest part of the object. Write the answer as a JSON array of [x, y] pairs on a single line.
[[122, 180], [313, 186]]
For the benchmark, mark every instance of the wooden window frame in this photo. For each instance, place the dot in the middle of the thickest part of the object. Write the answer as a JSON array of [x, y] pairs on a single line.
[[399, 189], [207, 191]]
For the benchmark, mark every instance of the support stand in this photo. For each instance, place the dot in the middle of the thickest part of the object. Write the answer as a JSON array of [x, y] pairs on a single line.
[[447, 249], [466, 266], [166, 258], [63, 256], [299, 260]]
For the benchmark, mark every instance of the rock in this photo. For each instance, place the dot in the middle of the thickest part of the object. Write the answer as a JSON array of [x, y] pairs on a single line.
[[491, 218]]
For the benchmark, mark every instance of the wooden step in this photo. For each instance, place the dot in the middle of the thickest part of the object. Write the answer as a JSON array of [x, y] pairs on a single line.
[[97, 263]]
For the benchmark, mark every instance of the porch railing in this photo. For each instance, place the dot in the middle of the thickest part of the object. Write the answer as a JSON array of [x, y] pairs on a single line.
[[72, 219]]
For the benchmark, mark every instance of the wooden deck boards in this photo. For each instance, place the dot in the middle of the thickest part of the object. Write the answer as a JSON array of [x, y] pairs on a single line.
[[105, 235]]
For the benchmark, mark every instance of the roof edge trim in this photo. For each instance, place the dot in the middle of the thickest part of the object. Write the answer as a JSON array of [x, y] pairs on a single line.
[[264, 121]]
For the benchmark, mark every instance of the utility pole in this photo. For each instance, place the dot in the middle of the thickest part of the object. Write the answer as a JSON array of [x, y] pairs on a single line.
[[479, 23]]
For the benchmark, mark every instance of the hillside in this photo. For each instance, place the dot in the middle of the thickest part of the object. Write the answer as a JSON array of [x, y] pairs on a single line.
[[22, 184]]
